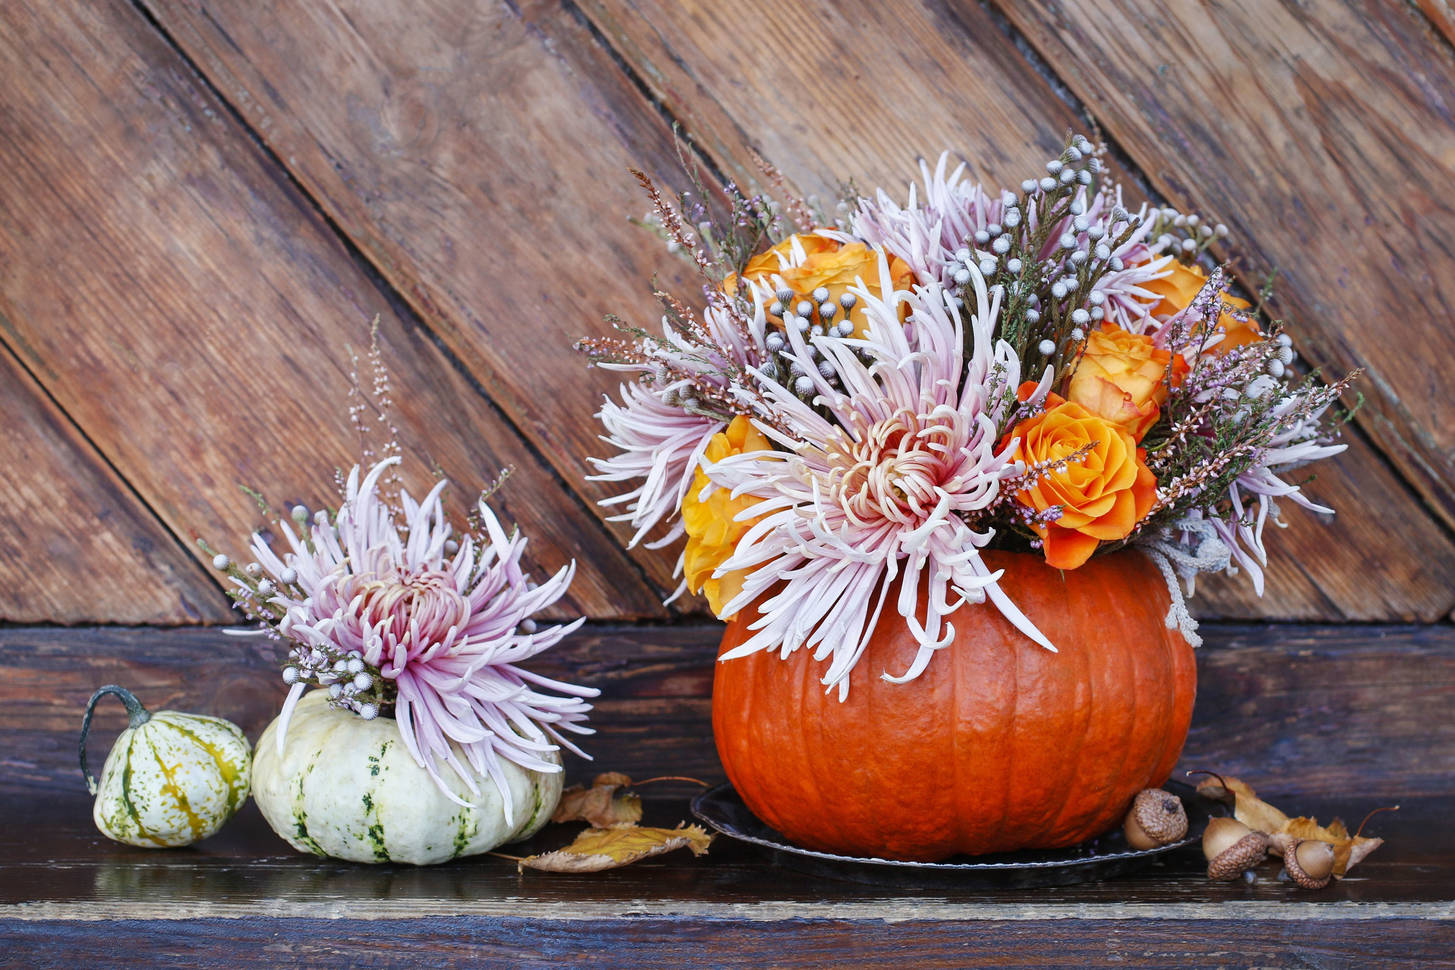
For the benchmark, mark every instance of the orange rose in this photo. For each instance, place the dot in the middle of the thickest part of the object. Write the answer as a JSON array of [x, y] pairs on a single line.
[[712, 533], [1122, 377], [832, 265], [1177, 289], [1102, 495]]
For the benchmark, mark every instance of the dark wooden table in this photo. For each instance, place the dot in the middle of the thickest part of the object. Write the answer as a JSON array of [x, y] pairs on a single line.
[[1323, 721], [203, 203]]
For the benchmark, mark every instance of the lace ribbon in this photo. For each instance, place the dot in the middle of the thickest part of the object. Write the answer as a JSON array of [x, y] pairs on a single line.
[[1200, 551]]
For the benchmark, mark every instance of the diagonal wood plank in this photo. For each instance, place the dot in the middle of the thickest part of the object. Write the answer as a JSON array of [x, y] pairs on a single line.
[[190, 311], [1323, 134], [76, 546], [478, 154], [835, 91], [790, 90], [994, 97]]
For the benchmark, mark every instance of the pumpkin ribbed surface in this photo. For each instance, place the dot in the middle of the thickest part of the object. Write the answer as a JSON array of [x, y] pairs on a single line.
[[172, 780], [999, 745], [348, 788]]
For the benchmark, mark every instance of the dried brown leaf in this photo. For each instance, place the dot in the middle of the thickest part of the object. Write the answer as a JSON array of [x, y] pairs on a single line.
[[604, 805], [1283, 831], [598, 849], [1347, 850]]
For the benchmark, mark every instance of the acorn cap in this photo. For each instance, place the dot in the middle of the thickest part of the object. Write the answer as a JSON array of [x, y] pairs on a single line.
[[1310, 863], [1245, 853], [1156, 818]]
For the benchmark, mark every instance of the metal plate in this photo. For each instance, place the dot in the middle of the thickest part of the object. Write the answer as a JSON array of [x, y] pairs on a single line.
[[1100, 858]]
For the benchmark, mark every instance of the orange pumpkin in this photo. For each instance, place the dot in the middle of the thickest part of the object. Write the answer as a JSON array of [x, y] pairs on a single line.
[[999, 745]]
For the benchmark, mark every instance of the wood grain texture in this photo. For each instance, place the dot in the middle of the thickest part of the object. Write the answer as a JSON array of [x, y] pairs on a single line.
[[60, 874], [830, 91], [1298, 711], [478, 154], [246, 871], [76, 546], [526, 943], [187, 308], [793, 90], [1323, 135], [1379, 557], [1323, 720]]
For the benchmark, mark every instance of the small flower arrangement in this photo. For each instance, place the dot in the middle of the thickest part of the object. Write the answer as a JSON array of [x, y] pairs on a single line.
[[394, 613], [860, 407]]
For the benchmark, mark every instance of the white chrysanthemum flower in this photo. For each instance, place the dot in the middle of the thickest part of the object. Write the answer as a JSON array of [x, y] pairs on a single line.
[[1253, 495], [658, 444], [927, 236], [658, 430], [1128, 302], [931, 237], [882, 480], [368, 595]]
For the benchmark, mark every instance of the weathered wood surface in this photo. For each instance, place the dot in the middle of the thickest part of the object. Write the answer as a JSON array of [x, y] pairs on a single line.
[[62, 884], [190, 311], [444, 147], [799, 105], [478, 156], [806, 943], [830, 91], [245, 870], [1323, 720], [1323, 134], [69, 519], [1357, 712], [820, 124], [1442, 16]]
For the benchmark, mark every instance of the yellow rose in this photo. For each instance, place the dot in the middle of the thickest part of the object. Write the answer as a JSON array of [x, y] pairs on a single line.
[[1102, 495], [828, 264], [1175, 292], [1122, 377], [769, 261], [712, 533]]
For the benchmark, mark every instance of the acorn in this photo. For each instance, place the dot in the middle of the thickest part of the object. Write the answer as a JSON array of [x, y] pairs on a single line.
[[1231, 847], [1156, 818], [1310, 863]]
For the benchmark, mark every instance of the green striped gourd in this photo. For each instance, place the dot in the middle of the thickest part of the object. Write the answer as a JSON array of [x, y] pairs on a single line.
[[171, 778], [348, 788]]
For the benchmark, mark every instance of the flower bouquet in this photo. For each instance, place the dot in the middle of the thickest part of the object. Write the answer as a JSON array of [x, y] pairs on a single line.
[[423, 739], [947, 468]]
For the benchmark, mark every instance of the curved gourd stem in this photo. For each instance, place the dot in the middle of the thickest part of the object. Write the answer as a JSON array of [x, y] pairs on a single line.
[[137, 714]]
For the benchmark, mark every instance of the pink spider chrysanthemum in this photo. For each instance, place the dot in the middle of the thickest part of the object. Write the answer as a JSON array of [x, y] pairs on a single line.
[[658, 445], [942, 235], [892, 461], [660, 428], [1253, 495], [387, 606], [927, 235]]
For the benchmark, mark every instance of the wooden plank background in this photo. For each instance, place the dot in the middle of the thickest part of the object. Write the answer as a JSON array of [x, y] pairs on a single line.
[[204, 202]]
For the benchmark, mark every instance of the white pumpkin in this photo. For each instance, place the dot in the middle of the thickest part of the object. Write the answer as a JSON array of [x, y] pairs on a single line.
[[348, 788], [171, 778]]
